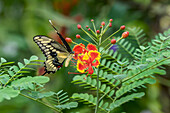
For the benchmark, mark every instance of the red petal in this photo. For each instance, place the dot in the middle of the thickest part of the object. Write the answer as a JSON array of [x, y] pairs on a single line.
[[80, 66], [96, 63], [91, 47], [75, 56], [79, 48], [93, 55], [90, 70]]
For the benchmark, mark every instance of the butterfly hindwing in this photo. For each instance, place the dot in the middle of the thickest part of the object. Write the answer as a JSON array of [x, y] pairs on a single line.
[[55, 52]]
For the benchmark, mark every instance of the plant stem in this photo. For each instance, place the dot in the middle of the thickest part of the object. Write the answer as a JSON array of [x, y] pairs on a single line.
[[110, 36], [128, 78], [97, 103], [41, 102], [96, 109], [93, 38], [14, 76]]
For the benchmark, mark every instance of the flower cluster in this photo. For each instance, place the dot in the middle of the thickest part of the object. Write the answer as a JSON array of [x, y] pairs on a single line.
[[86, 58]]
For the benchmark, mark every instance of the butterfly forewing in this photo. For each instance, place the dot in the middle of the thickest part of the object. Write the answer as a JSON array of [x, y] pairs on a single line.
[[55, 52]]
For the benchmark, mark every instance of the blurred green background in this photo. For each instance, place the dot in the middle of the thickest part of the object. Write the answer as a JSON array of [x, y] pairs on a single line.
[[20, 20]]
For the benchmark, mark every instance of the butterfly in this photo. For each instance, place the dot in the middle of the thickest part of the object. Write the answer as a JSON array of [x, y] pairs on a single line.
[[55, 53]]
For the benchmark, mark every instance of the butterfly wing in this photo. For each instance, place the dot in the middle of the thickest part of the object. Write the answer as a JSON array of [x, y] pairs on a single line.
[[65, 43], [55, 52]]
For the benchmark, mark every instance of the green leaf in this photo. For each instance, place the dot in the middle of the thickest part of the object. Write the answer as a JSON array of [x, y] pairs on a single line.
[[33, 64], [7, 63], [24, 72], [163, 38], [20, 65], [38, 60], [8, 93], [142, 47], [29, 82], [16, 69], [67, 105], [26, 61], [125, 99], [4, 78], [41, 79], [46, 94], [33, 58], [11, 73], [3, 60]]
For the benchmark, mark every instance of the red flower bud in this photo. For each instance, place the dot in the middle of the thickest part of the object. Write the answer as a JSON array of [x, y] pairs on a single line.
[[110, 24], [87, 26], [100, 26], [79, 26], [89, 29], [110, 20], [103, 23], [122, 27], [125, 34], [113, 41], [98, 31], [92, 20], [69, 40], [77, 36]]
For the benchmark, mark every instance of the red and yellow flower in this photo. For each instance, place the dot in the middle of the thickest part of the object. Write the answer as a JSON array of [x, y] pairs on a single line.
[[86, 58]]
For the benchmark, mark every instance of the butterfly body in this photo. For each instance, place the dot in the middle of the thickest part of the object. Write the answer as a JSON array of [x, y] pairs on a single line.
[[54, 52]]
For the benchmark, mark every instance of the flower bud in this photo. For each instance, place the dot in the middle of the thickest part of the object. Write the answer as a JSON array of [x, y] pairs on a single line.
[[103, 23], [78, 36], [111, 20], [69, 40], [79, 26], [113, 41], [110, 24], [125, 34], [92, 20], [87, 26], [89, 29], [97, 31], [122, 27]]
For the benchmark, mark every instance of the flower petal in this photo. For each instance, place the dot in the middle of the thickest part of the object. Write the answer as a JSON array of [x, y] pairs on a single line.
[[85, 57], [79, 48], [94, 55], [90, 70], [75, 56], [91, 47], [96, 63], [80, 66]]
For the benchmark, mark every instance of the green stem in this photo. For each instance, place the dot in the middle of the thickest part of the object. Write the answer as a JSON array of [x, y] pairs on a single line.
[[41, 102], [110, 36], [94, 26], [85, 40], [131, 77], [144, 70], [13, 76], [104, 30], [97, 103], [93, 38]]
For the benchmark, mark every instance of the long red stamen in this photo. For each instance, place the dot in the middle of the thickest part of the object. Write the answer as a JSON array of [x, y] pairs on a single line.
[[75, 73], [86, 77]]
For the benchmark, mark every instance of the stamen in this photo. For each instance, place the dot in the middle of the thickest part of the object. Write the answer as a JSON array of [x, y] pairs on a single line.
[[75, 73]]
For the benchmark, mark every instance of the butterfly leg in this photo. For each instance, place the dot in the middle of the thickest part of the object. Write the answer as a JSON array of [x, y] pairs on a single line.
[[57, 64]]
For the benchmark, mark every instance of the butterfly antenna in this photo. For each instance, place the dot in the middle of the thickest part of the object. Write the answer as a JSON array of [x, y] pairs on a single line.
[[53, 26]]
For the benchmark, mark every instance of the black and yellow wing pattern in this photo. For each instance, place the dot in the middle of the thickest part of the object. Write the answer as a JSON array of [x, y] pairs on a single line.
[[54, 52]]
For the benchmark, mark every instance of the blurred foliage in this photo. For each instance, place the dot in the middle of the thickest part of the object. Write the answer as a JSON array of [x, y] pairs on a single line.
[[20, 20]]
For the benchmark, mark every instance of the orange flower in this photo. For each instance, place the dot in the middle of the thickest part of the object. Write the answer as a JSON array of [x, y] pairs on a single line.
[[86, 58]]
